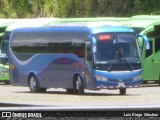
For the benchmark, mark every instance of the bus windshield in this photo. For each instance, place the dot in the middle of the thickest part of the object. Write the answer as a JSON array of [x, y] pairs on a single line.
[[116, 48], [5, 42]]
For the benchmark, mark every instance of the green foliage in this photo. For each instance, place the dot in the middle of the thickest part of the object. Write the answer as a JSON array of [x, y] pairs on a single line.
[[77, 8]]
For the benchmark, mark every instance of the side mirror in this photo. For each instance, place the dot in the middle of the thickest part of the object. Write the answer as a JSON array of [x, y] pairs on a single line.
[[143, 40]]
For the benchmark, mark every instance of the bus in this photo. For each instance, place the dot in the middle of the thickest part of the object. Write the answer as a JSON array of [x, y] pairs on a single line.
[[148, 25], [151, 57], [75, 57]]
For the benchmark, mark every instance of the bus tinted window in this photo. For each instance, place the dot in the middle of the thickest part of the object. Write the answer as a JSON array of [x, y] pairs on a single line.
[[157, 38], [138, 29], [157, 44], [5, 42], [29, 43], [150, 34], [49, 42], [149, 52], [107, 48]]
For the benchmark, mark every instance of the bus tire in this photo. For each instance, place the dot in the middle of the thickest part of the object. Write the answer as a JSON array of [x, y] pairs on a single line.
[[122, 91], [78, 85], [33, 85], [70, 91], [42, 90], [7, 82]]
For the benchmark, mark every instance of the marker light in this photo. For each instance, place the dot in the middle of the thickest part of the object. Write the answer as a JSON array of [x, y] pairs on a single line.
[[104, 37], [138, 77], [101, 78]]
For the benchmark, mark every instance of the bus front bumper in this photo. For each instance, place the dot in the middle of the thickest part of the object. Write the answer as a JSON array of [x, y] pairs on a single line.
[[118, 85]]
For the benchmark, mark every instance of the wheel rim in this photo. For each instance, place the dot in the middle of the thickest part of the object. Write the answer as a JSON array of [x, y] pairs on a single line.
[[32, 83], [77, 85]]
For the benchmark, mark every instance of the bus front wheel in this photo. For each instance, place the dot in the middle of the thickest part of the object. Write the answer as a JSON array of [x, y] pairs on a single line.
[[122, 91], [33, 85], [78, 85]]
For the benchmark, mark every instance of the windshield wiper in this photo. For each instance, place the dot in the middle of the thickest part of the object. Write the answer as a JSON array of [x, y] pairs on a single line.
[[111, 64], [119, 54]]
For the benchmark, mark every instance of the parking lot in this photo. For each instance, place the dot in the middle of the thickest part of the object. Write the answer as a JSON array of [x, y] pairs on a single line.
[[146, 95]]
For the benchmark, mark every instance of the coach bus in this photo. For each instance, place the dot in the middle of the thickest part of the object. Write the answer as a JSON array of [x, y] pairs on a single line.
[[151, 57], [75, 57]]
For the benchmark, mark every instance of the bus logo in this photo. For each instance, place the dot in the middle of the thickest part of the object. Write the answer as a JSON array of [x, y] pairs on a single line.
[[6, 114]]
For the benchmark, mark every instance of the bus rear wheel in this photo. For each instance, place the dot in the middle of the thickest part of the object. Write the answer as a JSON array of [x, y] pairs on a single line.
[[78, 85], [33, 85], [122, 91], [70, 91], [7, 82]]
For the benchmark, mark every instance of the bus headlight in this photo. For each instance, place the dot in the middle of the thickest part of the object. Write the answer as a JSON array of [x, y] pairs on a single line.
[[101, 78], [138, 77]]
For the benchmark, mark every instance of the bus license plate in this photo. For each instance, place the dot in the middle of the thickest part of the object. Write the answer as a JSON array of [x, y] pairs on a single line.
[[121, 84]]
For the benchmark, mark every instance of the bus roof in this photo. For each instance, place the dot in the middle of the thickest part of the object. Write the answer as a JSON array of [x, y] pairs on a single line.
[[84, 24], [91, 27], [5, 23], [97, 19], [38, 22], [151, 26], [140, 21], [145, 17]]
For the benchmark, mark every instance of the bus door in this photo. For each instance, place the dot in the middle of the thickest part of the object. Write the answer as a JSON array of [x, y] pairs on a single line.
[[157, 52], [88, 71], [148, 63]]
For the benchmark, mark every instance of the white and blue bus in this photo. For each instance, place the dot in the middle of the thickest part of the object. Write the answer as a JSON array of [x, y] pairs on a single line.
[[75, 57]]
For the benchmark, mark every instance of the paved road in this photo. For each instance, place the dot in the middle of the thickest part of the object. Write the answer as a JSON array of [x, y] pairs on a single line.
[[144, 96]]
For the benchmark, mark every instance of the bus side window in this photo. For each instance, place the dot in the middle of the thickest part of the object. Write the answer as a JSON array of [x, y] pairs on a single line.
[[157, 38], [88, 51], [149, 52], [157, 44]]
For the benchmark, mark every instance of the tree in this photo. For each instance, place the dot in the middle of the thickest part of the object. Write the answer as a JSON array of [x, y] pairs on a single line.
[[77, 8]]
